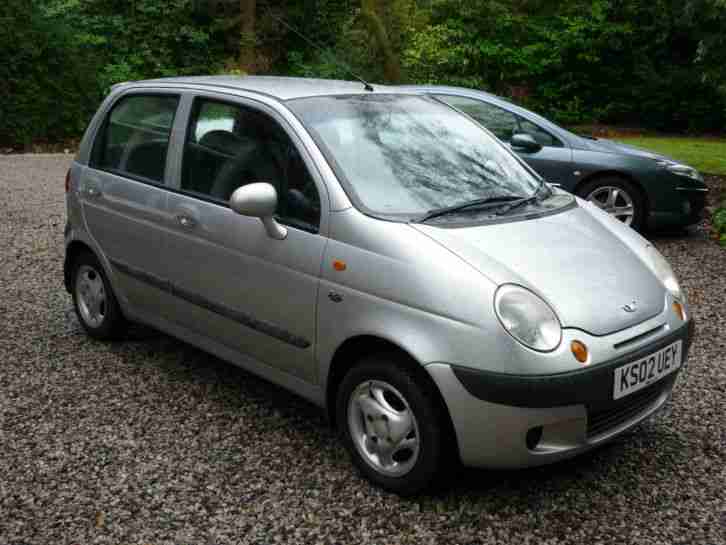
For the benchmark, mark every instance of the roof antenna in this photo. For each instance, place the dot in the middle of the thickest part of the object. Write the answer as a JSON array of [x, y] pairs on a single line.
[[367, 86]]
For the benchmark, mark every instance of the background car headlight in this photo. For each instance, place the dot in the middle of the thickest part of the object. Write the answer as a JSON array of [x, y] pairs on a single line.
[[527, 318], [680, 169], [665, 274]]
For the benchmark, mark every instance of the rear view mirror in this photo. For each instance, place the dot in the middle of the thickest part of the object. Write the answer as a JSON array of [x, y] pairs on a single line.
[[259, 201], [525, 142]]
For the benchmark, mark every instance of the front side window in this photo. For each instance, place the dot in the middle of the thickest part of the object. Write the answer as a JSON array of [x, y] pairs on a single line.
[[400, 156], [502, 123], [543, 137], [134, 140], [230, 145]]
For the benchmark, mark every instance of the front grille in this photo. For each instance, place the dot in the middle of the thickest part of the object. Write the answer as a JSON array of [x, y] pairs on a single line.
[[605, 417]]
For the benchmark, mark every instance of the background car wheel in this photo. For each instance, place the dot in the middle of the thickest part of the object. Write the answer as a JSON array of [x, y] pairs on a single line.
[[392, 425], [618, 197], [96, 306]]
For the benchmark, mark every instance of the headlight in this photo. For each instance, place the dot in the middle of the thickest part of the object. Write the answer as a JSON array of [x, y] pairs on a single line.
[[680, 169], [527, 318], [665, 274]]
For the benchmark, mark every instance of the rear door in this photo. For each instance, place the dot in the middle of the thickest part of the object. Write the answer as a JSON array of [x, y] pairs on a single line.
[[232, 282], [553, 161], [123, 197]]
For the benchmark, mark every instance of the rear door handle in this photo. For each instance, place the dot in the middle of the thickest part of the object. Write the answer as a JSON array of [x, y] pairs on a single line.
[[186, 221], [93, 192]]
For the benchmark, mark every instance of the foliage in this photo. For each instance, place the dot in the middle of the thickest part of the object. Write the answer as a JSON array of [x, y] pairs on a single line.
[[44, 93], [719, 223], [659, 64], [622, 62]]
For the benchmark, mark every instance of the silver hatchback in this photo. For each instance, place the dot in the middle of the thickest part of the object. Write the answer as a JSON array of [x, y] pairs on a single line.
[[379, 254]]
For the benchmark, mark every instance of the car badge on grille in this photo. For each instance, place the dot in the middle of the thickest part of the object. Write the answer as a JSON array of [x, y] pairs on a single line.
[[631, 307]]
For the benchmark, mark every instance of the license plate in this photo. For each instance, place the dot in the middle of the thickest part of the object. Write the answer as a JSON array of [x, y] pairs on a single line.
[[644, 372]]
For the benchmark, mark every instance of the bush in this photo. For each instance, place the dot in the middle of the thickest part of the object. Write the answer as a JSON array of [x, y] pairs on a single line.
[[719, 224], [48, 90]]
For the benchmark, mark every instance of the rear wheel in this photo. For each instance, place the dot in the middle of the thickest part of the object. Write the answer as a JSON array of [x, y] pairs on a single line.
[[392, 425], [94, 301], [618, 197]]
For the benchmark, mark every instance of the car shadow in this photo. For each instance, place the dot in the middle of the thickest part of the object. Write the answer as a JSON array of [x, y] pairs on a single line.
[[646, 451]]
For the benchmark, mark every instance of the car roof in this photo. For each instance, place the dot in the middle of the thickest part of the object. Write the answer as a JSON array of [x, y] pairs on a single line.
[[279, 87]]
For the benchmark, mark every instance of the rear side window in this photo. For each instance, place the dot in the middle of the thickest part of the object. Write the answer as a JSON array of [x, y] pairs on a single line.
[[134, 139]]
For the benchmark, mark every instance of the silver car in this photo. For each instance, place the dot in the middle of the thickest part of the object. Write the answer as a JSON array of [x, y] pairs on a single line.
[[380, 254]]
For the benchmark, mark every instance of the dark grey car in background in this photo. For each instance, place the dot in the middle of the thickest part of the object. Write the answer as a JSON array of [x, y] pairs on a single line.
[[640, 188]]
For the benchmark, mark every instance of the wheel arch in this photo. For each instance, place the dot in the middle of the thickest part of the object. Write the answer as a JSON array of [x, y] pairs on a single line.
[[353, 349], [73, 250], [600, 174]]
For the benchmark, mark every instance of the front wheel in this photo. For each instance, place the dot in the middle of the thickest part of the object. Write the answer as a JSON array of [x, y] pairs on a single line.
[[392, 425], [619, 198]]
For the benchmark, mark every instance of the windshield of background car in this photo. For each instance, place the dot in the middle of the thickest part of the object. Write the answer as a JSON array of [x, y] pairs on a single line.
[[400, 156]]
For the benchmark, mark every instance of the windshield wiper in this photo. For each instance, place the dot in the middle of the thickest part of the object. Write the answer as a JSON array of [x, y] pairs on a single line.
[[523, 202], [469, 204]]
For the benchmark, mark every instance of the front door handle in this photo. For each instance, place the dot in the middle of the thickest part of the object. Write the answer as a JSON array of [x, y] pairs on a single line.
[[186, 221]]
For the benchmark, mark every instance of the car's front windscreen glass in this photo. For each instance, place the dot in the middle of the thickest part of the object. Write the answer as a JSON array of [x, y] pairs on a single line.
[[403, 155]]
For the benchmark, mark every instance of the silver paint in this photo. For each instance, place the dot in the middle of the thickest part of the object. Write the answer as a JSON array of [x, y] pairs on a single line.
[[426, 289]]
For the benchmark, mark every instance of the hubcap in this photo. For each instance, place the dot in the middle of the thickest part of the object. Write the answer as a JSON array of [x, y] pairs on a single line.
[[383, 428], [91, 296], [615, 201]]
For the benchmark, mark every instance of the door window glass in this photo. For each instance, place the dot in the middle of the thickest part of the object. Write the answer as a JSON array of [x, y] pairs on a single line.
[[501, 122], [134, 139], [229, 146], [539, 134]]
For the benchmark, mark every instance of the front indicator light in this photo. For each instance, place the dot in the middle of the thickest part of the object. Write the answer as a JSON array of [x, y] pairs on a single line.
[[679, 310], [579, 350]]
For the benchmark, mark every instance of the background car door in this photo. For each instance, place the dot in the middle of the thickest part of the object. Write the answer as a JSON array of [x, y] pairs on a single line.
[[234, 283], [123, 198], [553, 161]]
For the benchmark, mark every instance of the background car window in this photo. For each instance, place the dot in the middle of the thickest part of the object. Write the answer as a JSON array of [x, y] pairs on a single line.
[[135, 138], [229, 146], [501, 122], [539, 134]]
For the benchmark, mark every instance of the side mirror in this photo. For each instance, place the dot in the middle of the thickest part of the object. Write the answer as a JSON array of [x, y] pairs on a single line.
[[525, 142], [259, 201]]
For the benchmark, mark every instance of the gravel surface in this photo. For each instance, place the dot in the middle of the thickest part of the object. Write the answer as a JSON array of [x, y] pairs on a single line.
[[150, 441]]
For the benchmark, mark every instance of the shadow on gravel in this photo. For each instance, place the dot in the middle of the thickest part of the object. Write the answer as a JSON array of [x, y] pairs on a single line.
[[637, 458], [226, 384]]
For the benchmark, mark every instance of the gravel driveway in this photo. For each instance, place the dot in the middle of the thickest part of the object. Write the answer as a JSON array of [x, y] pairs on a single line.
[[151, 441]]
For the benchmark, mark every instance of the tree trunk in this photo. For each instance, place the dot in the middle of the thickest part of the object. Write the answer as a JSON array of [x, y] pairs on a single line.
[[374, 21], [247, 12]]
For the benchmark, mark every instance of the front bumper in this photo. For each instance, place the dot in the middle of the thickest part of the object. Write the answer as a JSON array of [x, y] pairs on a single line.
[[685, 206], [495, 415]]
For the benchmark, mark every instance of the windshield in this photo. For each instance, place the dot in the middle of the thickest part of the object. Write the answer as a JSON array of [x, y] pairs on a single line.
[[405, 155]]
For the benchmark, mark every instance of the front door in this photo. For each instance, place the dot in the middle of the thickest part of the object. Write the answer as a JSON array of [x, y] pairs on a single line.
[[123, 196], [553, 161], [232, 282]]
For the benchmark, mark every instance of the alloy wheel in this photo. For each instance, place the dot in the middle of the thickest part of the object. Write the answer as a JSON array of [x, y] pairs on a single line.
[[615, 201]]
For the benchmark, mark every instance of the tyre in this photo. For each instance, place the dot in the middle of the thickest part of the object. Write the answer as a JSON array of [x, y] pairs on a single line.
[[94, 301], [619, 198], [393, 426]]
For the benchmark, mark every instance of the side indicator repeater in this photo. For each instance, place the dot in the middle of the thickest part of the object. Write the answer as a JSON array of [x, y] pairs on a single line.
[[339, 265]]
